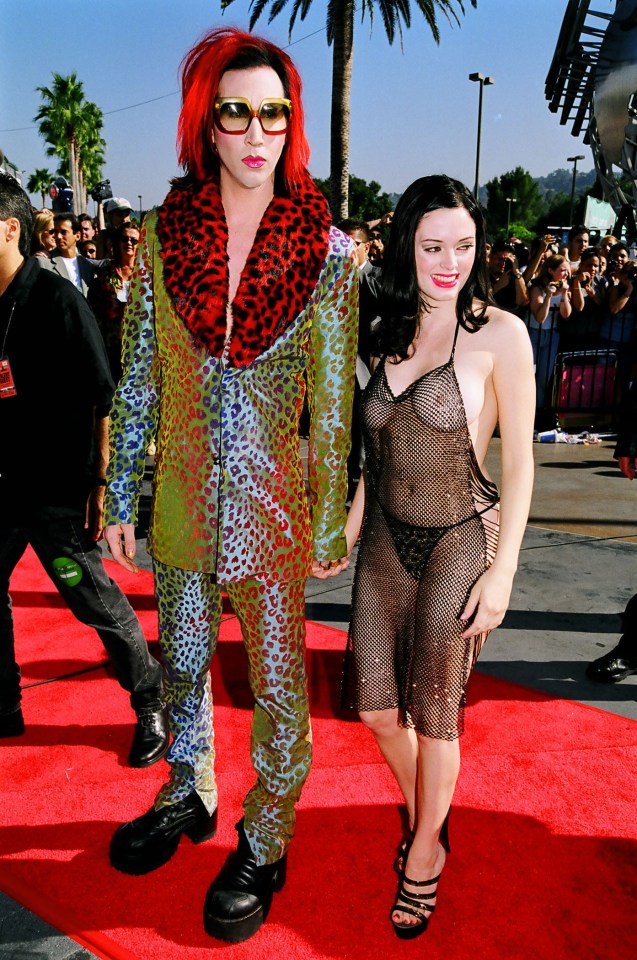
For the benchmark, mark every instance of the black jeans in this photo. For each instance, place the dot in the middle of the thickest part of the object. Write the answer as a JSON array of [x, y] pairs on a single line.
[[74, 563]]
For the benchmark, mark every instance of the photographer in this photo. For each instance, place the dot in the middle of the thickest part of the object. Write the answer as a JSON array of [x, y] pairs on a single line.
[[541, 247], [507, 283], [551, 304], [589, 302]]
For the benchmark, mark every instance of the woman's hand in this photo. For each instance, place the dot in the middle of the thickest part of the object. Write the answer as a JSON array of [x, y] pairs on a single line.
[[324, 569], [487, 603], [120, 540]]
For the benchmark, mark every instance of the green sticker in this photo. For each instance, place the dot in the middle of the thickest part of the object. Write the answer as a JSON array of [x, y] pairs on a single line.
[[67, 570]]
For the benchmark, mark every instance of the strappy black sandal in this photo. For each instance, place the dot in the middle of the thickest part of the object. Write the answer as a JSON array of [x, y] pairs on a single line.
[[403, 852], [415, 904], [405, 846]]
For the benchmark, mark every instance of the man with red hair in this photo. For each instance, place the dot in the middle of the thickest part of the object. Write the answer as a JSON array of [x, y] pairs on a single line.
[[230, 319]]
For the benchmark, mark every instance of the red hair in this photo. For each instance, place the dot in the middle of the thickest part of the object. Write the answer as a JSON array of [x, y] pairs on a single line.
[[220, 50]]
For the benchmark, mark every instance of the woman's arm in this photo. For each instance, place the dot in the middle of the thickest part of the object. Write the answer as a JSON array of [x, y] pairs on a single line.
[[540, 302], [566, 307], [514, 385]]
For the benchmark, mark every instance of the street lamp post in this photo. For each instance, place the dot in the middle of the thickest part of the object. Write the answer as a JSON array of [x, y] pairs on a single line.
[[483, 81], [573, 160], [509, 201], [139, 197]]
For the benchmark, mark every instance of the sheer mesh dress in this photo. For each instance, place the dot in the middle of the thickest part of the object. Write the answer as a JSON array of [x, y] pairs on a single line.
[[430, 531]]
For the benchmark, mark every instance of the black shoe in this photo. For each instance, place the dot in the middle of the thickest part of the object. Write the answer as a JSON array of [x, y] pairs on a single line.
[[238, 901], [149, 841], [12, 724], [151, 739], [612, 667]]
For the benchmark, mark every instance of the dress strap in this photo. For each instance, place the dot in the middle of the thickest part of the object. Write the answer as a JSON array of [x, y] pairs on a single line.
[[453, 346]]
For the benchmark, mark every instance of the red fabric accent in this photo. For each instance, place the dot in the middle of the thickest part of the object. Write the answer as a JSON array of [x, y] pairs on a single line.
[[542, 828], [277, 281]]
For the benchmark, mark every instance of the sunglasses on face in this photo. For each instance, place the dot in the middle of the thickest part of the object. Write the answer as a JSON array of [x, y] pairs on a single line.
[[235, 114], [127, 240]]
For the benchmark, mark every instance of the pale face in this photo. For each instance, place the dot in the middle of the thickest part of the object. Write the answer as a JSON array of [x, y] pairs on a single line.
[[559, 273], [248, 160], [87, 230], [65, 239], [445, 249]]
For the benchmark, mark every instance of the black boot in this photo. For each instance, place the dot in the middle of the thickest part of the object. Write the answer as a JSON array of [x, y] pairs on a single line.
[[151, 739], [238, 901], [12, 723], [614, 666], [621, 661], [149, 841]]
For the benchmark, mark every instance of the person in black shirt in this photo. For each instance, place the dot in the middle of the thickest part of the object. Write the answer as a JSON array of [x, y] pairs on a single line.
[[55, 394]]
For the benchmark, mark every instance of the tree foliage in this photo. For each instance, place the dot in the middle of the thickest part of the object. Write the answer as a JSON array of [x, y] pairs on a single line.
[[515, 196], [339, 24], [71, 126], [39, 182], [366, 201]]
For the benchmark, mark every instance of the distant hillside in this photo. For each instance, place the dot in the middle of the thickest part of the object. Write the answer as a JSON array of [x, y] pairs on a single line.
[[561, 181]]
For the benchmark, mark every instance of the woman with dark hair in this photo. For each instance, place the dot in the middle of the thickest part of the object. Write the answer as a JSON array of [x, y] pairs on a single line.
[[433, 577], [109, 291], [243, 295]]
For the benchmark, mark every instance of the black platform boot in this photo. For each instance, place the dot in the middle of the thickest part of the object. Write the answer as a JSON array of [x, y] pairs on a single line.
[[239, 899], [150, 841]]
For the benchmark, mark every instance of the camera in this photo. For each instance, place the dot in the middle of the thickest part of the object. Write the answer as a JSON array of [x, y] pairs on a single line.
[[102, 191]]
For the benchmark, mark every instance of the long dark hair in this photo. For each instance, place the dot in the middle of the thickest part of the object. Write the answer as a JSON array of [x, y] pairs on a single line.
[[402, 300]]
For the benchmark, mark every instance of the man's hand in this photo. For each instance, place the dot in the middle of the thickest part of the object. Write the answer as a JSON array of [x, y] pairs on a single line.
[[120, 540]]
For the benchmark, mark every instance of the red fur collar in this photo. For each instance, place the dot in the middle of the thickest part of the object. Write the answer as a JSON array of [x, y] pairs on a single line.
[[278, 279]]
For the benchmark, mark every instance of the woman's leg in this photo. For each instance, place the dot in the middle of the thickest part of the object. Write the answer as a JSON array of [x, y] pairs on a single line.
[[438, 768], [399, 747]]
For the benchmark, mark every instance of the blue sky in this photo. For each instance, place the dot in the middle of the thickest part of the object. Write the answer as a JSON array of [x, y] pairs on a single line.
[[414, 112]]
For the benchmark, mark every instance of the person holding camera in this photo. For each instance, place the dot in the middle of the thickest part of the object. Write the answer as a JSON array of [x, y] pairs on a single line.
[[618, 326], [507, 283], [583, 330], [550, 303]]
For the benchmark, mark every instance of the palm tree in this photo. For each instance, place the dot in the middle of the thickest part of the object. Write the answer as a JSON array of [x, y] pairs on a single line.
[[340, 36], [71, 126], [39, 182]]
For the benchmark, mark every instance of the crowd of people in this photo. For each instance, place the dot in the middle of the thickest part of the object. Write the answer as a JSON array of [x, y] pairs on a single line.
[[210, 341]]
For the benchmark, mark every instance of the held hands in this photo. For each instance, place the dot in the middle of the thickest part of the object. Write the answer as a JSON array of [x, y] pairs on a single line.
[[324, 569], [487, 603], [120, 540]]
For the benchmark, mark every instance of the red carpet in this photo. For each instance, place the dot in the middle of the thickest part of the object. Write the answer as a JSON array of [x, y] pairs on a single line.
[[543, 832]]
